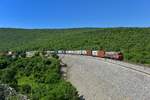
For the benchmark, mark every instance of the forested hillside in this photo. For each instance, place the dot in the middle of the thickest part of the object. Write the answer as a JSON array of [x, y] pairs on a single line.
[[133, 42]]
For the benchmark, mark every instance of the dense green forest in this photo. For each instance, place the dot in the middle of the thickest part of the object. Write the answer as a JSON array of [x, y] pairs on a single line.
[[38, 78], [133, 42]]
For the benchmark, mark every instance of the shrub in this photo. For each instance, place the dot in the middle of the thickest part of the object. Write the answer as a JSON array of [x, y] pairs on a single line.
[[26, 89]]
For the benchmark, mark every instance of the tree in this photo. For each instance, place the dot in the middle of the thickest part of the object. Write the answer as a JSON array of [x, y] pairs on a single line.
[[3, 63], [54, 55], [26, 89]]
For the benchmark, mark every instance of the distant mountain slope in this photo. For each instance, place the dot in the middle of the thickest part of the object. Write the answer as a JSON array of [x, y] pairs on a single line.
[[134, 42]]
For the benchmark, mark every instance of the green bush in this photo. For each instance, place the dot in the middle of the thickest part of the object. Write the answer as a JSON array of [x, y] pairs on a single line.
[[3, 63], [38, 78], [26, 89], [55, 56]]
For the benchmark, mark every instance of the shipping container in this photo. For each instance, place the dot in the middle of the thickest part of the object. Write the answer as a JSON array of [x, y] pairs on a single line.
[[89, 52], [83, 52], [72, 52], [79, 52], [31, 53], [101, 53], [75, 52], [95, 53], [50, 52], [60, 52], [69, 52], [63, 52]]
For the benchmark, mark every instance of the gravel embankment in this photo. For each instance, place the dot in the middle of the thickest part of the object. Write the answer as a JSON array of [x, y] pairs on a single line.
[[97, 79]]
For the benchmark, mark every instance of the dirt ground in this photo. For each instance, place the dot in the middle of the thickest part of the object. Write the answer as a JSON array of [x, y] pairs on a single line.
[[97, 79]]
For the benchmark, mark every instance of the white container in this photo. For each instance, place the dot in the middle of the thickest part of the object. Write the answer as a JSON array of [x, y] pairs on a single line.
[[74, 52], [83, 52], [30, 53], [60, 51], [66, 52], [94, 53], [79, 52], [69, 52]]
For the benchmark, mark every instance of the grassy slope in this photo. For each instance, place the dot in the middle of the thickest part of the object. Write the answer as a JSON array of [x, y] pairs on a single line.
[[133, 42]]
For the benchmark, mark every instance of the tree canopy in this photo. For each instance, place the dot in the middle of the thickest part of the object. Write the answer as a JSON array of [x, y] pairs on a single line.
[[133, 42], [37, 77]]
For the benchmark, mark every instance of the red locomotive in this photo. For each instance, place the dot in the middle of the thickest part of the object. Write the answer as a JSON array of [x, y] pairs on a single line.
[[114, 55], [110, 55]]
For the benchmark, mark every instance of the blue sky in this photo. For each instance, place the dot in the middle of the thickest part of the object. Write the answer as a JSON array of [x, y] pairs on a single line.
[[74, 13]]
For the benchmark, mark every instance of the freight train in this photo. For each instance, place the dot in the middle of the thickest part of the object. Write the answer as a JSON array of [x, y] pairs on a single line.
[[95, 53]]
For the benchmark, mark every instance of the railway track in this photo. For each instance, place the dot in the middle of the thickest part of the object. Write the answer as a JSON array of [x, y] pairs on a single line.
[[122, 65]]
